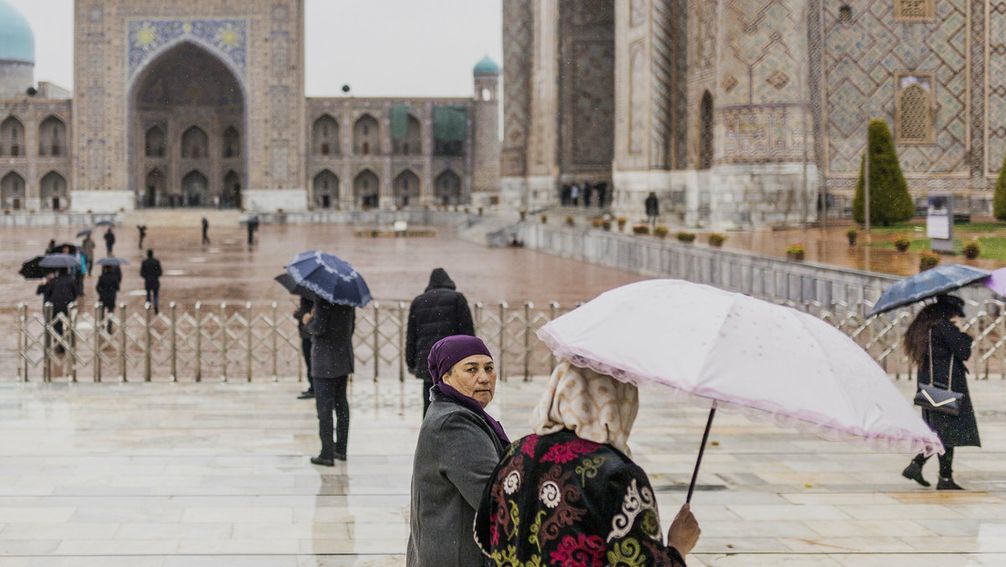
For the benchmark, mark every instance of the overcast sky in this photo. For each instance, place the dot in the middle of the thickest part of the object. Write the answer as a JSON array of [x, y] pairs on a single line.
[[378, 47]]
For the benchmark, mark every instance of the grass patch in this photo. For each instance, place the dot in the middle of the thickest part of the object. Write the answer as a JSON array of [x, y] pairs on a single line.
[[993, 247]]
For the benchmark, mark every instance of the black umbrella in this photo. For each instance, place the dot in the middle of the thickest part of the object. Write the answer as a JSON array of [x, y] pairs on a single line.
[[31, 270], [112, 261], [104, 223], [85, 232], [57, 261], [59, 248], [290, 284]]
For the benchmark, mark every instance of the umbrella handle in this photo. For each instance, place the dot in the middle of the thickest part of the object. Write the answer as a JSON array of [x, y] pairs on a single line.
[[702, 450]]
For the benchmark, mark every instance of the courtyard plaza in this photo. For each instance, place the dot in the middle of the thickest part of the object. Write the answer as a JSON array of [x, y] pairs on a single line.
[[172, 475]]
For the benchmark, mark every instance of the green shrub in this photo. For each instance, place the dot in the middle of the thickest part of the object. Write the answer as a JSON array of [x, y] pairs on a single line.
[[716, 239], [660, 231], [621, 223], [544, 219], [570, 221], [852, 235], [640, 229], [684, 236], [889, 198], [796, 252], [972, 249], [928, 260], [999, 201], [902, 244]]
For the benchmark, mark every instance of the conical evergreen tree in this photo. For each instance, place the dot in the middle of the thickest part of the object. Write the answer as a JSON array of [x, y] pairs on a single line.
[[999, 201], [890, 201]]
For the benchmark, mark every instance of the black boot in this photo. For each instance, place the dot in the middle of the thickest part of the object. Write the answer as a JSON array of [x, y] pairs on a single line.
[[914, 472], [947, 483]]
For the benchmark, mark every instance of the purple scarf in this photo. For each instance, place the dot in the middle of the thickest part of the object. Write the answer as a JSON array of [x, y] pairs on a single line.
[[443, 356]]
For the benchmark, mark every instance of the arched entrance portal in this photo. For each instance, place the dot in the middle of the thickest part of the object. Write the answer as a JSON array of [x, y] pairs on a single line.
[[187, 117]]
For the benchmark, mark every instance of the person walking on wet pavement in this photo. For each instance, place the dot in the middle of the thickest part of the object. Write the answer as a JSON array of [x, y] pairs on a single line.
[[87, 247], [107, 288], [252, 226], [59, 289], [331, 328], [109, 241], [206, 231], [142, 230], [150, 271], [652, 209], [935, 342], [440, 311], [305, 307]]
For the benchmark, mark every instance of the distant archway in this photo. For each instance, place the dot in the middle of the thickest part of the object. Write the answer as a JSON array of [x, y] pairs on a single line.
[[231, 197], [326, 189], [196, 189], [55, 196], [447, 188], [367, 189], [406, 189], [12, 194]]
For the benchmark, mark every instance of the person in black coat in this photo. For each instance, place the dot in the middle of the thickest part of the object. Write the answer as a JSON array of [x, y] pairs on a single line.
[[150, 271], [331, 328], [59, 289], [438, 312], [109, 241], [652, 209], [108, 288], [936, 344], [305, 344]]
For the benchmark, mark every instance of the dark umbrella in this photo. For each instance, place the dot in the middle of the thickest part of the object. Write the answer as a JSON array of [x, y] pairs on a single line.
[[31, 270], [57, 261], [930, 283], [112, 261], [330, 278], [104, 223], [290, 284], [72, 247], [85, 232]]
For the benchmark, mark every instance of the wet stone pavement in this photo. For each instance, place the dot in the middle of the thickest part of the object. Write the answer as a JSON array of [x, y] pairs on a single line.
[[173, 475]]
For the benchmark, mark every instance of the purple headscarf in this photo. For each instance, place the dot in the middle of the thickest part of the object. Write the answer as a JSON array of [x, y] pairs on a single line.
[[443, 356]]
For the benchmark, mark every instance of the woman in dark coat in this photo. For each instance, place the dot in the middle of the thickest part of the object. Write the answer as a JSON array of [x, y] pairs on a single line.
[[459, 446], [569, 494], [939, 348], [331, 328]]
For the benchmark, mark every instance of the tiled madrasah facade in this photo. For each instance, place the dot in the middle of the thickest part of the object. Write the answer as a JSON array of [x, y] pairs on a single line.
[[201, 104]]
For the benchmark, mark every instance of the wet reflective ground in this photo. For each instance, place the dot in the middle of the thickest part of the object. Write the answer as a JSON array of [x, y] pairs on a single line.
[[183, 475]]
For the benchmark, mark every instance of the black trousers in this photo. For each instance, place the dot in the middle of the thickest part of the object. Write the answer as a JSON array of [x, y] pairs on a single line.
[[154, 297], [426, 395], [305, 349], [329, 397], [946, 462]]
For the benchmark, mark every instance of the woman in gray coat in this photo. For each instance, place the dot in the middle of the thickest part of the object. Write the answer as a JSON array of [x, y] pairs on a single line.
[[331, 328], [459, 447]]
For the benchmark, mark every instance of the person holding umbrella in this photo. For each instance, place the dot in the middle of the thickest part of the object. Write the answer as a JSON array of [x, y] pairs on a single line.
[[935, 342], [337, 289], [570, 492], [60, 290]]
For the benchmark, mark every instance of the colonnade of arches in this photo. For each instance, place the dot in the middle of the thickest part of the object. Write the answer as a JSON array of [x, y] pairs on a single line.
[[53, 193], [366, 189], [366, 137], [51, 138]]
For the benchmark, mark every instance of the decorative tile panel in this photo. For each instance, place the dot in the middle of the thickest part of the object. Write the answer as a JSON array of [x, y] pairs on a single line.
[[227, 38]]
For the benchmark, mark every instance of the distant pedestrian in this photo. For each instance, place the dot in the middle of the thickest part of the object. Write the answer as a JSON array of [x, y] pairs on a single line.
[[937, 345], [331, 328], [252, 226], [107, 288], [440, 311], [574, 195], [206, 231], [142, 230], [150, 271], [60, 290], [87, 247], [305, 307], [588, 190], [109, 241], [51, 246], [652, 209]]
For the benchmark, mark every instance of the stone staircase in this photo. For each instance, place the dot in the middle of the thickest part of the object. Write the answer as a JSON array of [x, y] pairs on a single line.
[[181, 217]]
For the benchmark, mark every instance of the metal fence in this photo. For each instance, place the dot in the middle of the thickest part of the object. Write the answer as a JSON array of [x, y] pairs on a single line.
[[245, 342]]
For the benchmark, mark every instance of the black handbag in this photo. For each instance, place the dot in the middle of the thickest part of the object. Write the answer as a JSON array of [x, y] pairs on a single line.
[[933, 398]]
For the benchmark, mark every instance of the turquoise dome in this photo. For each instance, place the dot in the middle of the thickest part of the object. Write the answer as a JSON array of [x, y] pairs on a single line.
[[17, 42], [484, 67]]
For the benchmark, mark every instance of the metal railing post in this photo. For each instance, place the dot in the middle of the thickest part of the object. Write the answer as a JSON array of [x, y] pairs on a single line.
[[199, 342], [72, 351], [223, 338], [174, 341], [401, 341], [47, 343], [553, 312], [249, 337], [275, 344], [148, 341], [527, 340], [377, 339], [99, 324], [22, 342], [123, 342], [478, 318]]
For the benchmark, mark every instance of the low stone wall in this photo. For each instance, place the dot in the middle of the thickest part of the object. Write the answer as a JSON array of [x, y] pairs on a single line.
[[45, 218], [759, 276], [376, 218]]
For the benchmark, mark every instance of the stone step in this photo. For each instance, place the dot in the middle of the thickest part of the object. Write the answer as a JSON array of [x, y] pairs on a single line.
[[181, 217]]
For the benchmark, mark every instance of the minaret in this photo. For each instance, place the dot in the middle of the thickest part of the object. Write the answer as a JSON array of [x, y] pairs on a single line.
[[485, 135]]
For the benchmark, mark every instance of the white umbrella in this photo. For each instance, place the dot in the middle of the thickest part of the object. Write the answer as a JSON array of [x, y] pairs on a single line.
[[740, 352]]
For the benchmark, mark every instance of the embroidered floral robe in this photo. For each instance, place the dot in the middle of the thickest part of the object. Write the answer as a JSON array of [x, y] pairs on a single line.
[[561, 500]]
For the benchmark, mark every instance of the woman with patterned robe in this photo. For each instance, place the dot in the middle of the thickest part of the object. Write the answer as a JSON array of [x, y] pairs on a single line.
[[569, 494]]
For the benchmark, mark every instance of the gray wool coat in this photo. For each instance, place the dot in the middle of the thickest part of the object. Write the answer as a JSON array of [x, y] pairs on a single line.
[[455, 458], [331, 331]]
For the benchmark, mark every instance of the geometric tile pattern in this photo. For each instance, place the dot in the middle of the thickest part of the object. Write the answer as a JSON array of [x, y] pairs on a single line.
[[518, 46], [996, 97], [225, 37], [860, 63]]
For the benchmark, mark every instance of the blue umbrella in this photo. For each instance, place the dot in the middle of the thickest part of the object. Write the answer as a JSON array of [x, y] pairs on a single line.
[[59, 261], [330, 278], [930, 283]]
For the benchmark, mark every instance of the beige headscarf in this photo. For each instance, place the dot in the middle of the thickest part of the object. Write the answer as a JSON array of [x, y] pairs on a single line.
[[594, 406]]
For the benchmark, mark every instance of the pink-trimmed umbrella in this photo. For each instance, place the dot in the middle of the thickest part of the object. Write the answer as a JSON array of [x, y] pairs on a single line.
[[740, 352]]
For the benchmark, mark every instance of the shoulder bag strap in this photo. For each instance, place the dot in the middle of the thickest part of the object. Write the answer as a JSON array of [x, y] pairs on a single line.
[[931, 373]]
